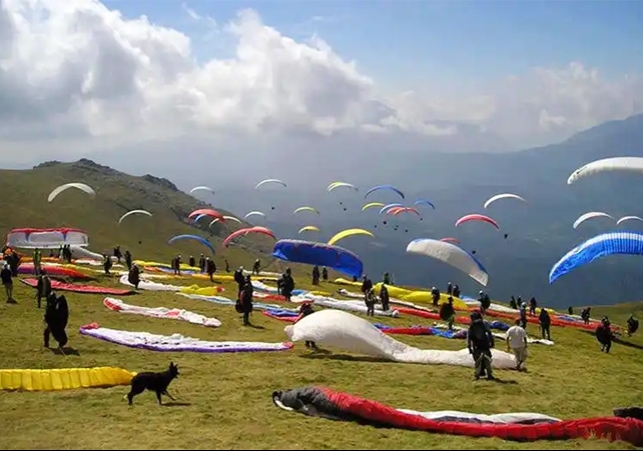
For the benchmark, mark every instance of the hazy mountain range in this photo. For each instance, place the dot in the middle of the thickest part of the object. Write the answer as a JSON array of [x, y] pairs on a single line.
[[539, 233]]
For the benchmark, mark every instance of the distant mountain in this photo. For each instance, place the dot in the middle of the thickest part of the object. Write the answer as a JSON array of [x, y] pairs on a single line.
[[539, 233]]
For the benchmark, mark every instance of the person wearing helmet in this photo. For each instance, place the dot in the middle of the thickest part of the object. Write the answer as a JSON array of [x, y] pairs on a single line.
[[523, 315], [480, 341], [435, 296]]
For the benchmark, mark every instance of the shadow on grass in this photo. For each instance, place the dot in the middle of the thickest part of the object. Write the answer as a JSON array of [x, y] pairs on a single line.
[[176, 404], [323, 354], [618, 341], [65, 351]]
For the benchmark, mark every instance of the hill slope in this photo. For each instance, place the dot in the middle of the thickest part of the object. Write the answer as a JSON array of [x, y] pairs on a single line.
[[25, 205]]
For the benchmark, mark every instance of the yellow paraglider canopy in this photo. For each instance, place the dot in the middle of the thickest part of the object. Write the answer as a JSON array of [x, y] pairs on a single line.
[[314, 210], [372, 204], [348, 232]]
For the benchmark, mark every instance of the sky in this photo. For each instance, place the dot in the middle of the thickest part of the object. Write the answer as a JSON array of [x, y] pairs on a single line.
[[120, 80]]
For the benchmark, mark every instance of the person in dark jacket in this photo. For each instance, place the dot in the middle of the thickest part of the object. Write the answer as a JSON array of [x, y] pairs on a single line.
[[435, 296], [128, 259], [586, 314], [513, 304], [386, 280], [7, 282], [315, 275], [532, 306], [485, 302], [107, 264], [210, 268], [632, 325], [324, 274], [56, 318], [604, 335], [43, 288], [202, 263], [305, 310], [134, 276], [367, 284], [456, 291], [117, 253], [240, 279], [288, 284], [246, 301], [192, 261], [447, 312], [384, 298], [256, 268], [450, 289], [545, 323], [480, 341]]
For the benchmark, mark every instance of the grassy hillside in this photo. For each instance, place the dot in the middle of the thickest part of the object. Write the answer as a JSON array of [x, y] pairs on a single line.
[[25, 205], [228, 397]]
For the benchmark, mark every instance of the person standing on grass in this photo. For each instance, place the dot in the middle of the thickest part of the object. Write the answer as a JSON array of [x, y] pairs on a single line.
[[245, 298], [480, 341], [43, 289], [305, 310], [545, 323], [447, 312], [385, 299], [369, 299], [517, 343], [7, 282]]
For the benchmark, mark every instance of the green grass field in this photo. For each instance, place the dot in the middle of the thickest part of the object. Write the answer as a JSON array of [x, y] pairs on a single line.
[[229, 395]]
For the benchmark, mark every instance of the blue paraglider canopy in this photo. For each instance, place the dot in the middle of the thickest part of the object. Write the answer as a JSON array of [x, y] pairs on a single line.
[[194, 238], [312, 253], [611, 243]]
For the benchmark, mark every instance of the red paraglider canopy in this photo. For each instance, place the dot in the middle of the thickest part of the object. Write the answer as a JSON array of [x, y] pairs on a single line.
[[477, 217], [207, 212]]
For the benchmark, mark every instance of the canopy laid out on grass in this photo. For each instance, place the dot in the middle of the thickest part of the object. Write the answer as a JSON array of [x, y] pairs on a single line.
[[176, 342], [521, 426]]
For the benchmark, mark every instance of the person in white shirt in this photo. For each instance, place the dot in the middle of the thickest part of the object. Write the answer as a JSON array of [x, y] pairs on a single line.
[[517, 342]]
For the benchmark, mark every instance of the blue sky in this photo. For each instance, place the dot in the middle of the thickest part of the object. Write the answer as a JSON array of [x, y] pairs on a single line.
[[416, 41]]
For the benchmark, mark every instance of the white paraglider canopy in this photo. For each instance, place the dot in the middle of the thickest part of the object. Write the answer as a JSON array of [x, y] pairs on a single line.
[[630, 164], [452, 255], [590, 215]]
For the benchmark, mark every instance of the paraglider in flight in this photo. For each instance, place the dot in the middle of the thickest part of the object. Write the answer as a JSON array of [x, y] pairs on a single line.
[[255, 213], [319, 254], [309, 228], [263, 182], [629, 164], [335, 185], [381, 187], [198, 218], [424, 202], [590, 215], [229, 218], [314, 210], [245, 231], [192, 237], [628, 218], [134, 212], [207, 212], [387, 207], [201, 188], [371, 205], [477, 217], [452, 255], [630, 243], [348, 232], [397, 210], [81, 186], [492, 199], [506, 236], [450, 240]]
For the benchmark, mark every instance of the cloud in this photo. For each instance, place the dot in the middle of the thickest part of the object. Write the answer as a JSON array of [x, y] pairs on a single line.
[[79, 72]]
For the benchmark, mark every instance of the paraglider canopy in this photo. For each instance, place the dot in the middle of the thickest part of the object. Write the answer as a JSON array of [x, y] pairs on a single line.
[[348, 232], [384, 187], [452, 255], [194, 238], [320, 254], [81, 186]]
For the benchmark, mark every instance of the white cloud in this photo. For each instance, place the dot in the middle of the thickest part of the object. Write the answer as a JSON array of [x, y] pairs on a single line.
[[76, 70]]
